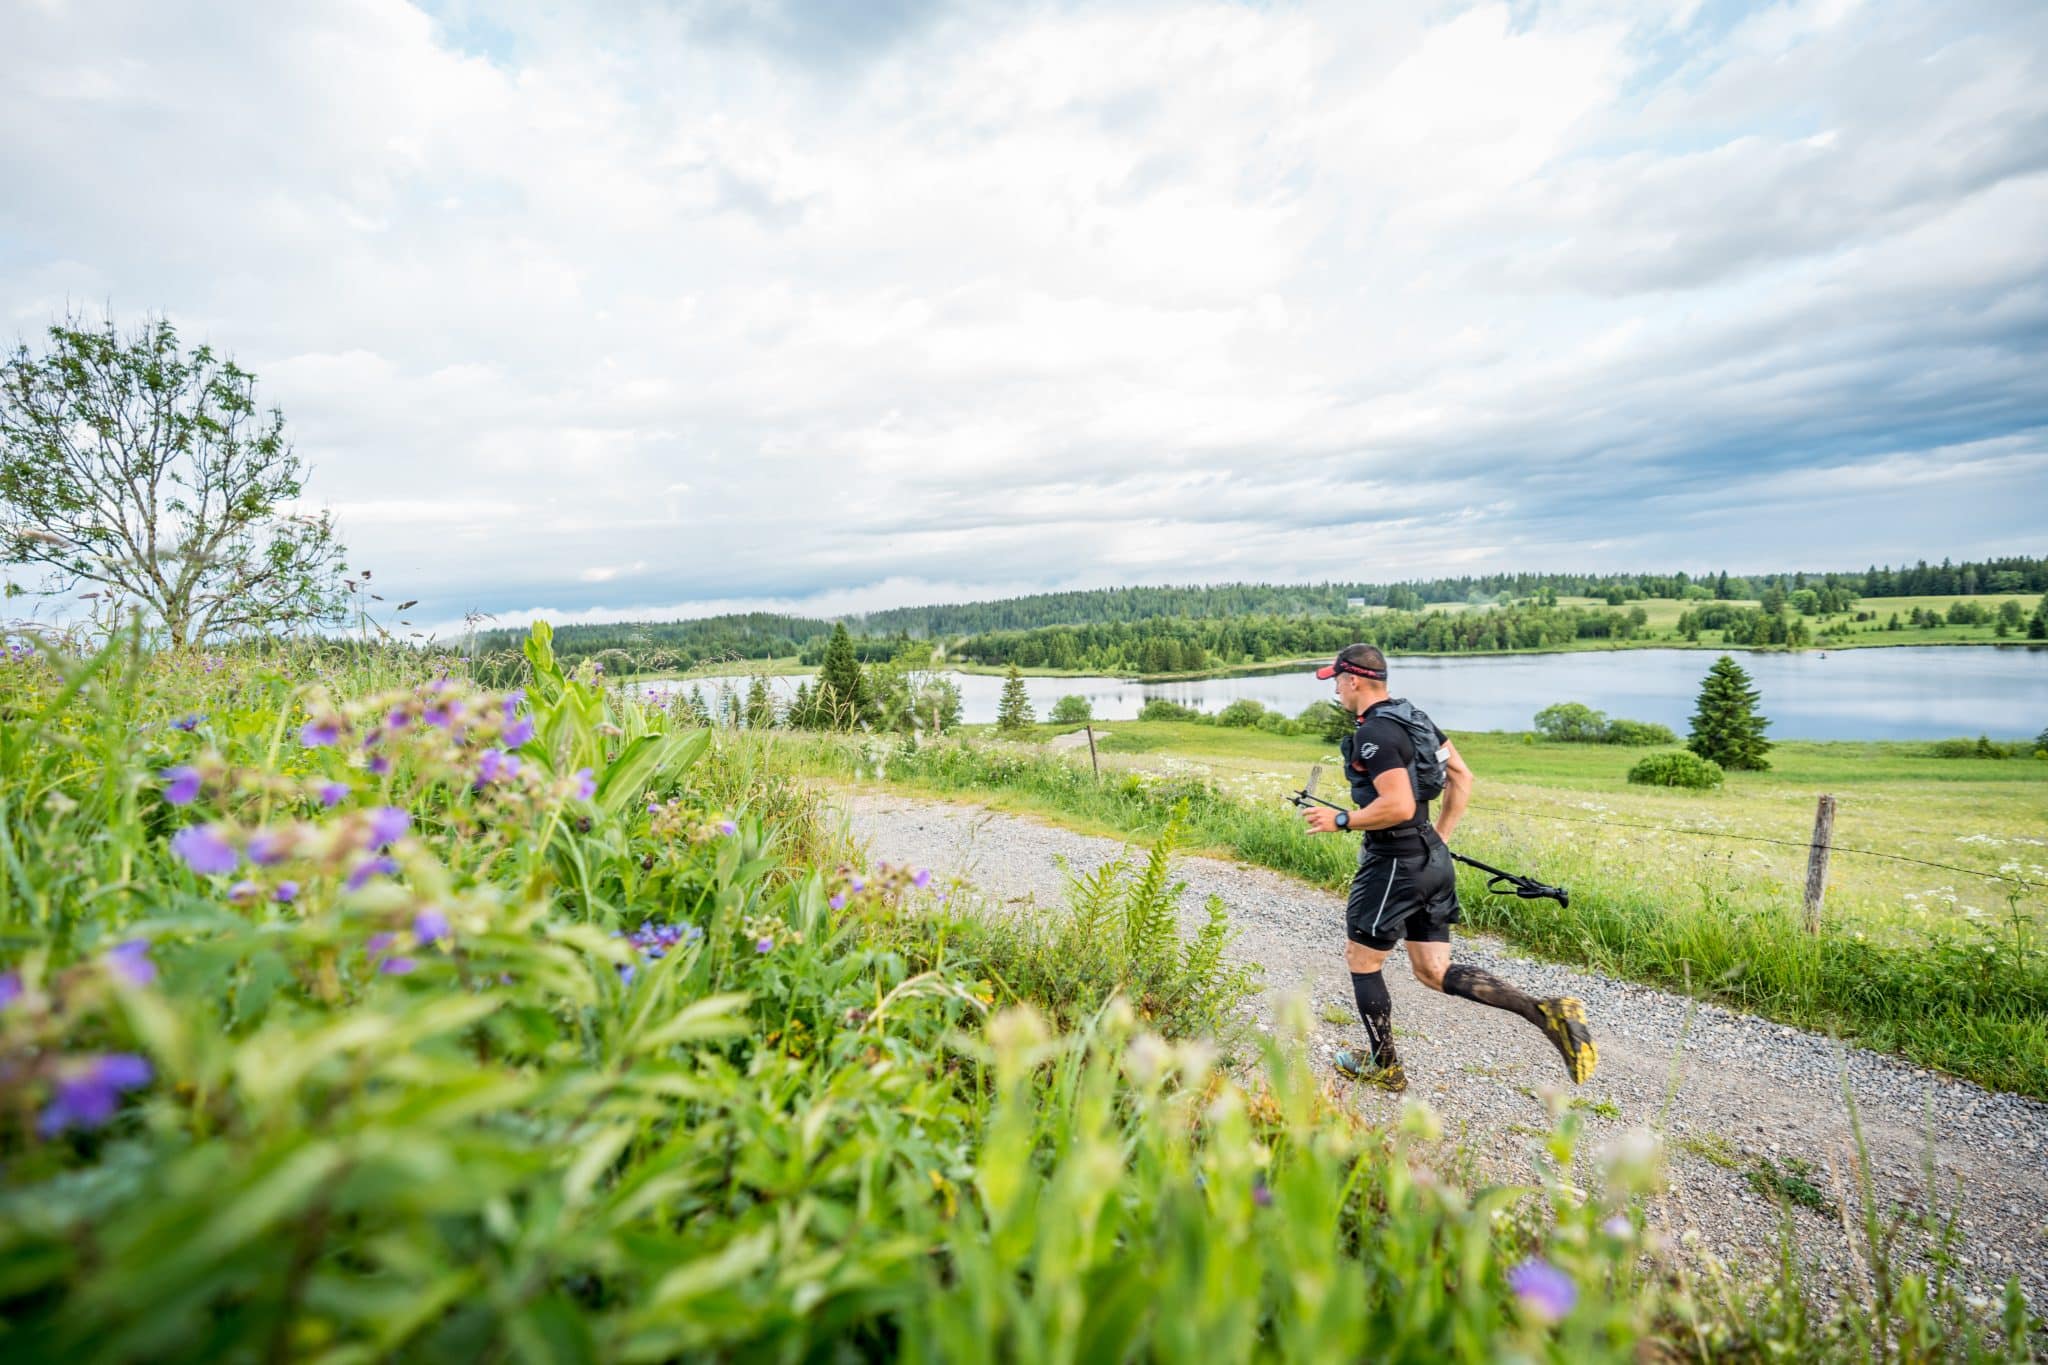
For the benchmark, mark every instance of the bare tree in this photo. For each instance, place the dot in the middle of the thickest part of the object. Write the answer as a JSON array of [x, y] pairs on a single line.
[[149, 472]]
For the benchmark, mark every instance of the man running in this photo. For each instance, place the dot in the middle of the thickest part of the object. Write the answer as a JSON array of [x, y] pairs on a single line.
[[1406, 887]]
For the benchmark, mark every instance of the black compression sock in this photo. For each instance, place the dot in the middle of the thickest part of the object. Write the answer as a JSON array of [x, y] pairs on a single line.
[[1376, 1008], [1474, 984]]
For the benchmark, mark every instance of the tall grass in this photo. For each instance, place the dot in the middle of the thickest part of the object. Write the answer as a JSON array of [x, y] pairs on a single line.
[[1972, 1000], [328, 1033]]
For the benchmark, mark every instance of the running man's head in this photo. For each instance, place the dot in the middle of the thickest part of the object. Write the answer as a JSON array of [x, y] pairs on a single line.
[[1361, 674]]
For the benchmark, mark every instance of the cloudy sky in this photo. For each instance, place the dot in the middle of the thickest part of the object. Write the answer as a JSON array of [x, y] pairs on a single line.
[[646, 307]]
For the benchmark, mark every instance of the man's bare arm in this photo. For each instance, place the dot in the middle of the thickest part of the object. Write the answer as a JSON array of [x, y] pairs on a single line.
[[1394, 805], [1457, 791]]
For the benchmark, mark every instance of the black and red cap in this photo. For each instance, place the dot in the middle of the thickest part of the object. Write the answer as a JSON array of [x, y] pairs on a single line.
[[1340, 664]]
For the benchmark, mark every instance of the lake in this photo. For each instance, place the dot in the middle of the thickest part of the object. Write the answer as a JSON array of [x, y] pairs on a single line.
[[1904, 693]]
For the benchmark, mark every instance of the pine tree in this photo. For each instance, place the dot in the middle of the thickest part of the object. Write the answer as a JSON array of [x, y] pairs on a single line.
[[2037, 625], [1014, 712], [1726, 727], [760, 706], [842, 694], [695, 712], [803, 709]]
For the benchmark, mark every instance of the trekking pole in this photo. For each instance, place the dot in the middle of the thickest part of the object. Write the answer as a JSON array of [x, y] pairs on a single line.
[[1498, 883]]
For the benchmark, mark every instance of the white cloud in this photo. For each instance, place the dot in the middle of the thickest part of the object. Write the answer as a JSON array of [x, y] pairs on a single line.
[[628, 308]]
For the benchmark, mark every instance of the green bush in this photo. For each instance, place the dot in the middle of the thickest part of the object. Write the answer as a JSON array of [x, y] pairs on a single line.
[[1072, 710], [1983, 746], [1330, 722], [1159, 708], [1639, 734], [1677, 769], [1242, 714], [1571, 722], [1119, 934]]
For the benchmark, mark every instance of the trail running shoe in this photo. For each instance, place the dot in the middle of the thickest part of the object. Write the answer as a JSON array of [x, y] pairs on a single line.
[[1353, 1067], [1564, 1023]]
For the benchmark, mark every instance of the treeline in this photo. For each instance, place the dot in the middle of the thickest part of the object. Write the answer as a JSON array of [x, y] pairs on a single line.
[[1195, 627], [1835, 591], [1182, 645], [675, 644]]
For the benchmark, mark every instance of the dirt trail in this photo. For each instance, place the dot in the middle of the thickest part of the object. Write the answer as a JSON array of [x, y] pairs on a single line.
[[1732, 1092]]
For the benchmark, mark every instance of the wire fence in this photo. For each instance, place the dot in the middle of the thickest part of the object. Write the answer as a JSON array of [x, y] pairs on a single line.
[[2013, 880], [2008, 878]]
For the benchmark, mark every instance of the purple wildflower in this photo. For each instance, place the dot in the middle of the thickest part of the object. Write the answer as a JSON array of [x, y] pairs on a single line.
[[89, 1094], [430, 925], [858, 883], [396, 966], [586, 784], [727, 827], [266, 848], [318, 734], [204, 850], [518, 732], [1546, 1292], [10, 989], [512, 702], [388, 825], [398, 720], [442, 713], [922, 879], [130, 961], [1619, 1226], [626, 973], [244, 891], [188, 723], [377, 943], [379, 764], [333, 794], [286, 893], [496, 765], [838, 902], [181, 784], [1262, 1193], [764, 945], [368, 868]]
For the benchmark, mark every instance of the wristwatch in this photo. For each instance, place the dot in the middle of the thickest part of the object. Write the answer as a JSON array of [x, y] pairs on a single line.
[[1343, 819]]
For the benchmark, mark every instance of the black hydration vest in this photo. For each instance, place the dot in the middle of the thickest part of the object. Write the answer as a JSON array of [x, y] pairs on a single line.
[[1427, 767]]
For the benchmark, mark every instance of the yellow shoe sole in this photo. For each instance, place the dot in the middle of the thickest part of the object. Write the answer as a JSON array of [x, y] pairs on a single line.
[[1393, 1079], [1564, 1023]]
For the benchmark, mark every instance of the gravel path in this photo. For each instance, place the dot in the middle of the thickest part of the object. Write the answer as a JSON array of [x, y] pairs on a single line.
[[1730, 1091]]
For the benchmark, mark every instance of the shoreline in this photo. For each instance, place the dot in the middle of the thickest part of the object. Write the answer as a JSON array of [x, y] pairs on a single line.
[[791, 668]]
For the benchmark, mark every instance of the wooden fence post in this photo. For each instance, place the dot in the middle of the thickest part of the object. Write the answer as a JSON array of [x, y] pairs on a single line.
[[1093, 761], [1817, 861]]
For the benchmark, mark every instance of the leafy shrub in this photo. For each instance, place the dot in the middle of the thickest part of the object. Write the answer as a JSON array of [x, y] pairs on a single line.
[[1677, 769], [1243, 714], [1327, 721], [1638, 733], [1072, 710], [1571, 722], [1160, 708], [1983, 746], [1120, 934]]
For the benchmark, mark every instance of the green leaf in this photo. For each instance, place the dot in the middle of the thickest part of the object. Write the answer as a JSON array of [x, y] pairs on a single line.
[[715, 1016], [646, 760]]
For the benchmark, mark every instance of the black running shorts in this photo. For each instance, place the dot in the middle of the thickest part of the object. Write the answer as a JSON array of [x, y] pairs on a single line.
[[1409, 890]]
